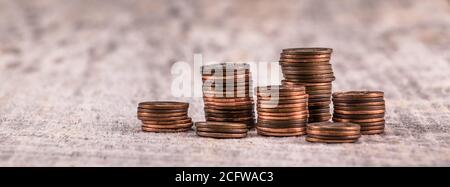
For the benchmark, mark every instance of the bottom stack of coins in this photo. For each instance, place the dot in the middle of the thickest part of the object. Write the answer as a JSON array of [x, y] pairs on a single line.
[[366, 108], [221, 130], [282, 110], [329, 132], [164, 116]]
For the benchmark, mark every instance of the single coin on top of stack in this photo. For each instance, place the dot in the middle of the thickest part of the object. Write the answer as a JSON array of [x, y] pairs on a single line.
[[164, 116], [310, 67], [332, 132], [282, 111], [221, 130], [366, 108], [227, 93]]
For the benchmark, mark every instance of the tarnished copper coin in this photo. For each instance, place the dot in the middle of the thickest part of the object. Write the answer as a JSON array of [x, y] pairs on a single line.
[[173, 118], [359, 100], [281, 122], [332, 133], [297, 105], [350, 137], [227, 100], [310, 65], [222, 130], [286, 114], [282, 110], [317, 140], [221, 135], [281, 130], [163, 105], [161, 115], [218, 111], [242, 107], [378, 123], [377, 103], [173, 126], [281, 125], [157, 122], [276, 102], [278, 134], [356, 112], [359, 94], [306, 72], [283, 118], [229, 119], [358, 120], [324, 103], [220, 125], [160, 111], [360, 108], [147, 129], [333, 126], [358, 116]]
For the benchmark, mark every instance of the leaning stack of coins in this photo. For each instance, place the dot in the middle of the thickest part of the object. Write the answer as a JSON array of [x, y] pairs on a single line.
[[366, 108], [310, 67], [227, 93], [282, 111], [164, 116], [222, 130], [329, 132]]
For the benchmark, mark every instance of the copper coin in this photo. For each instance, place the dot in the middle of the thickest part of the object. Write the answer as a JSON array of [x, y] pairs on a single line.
[[153, 122], [319, 99], [285, 125], [359, 112], [308, 65], [350, 137], [372, 132], [218, 111], [317, 140], [222, 115], [221, 125], [282, 110], [281, 130], [332, 133], [307, 56], [304, 112], [359, 94], [360, 108], [359, 100], [240, 103], [310, 80], [147, 129], [227, 100], [221, 135], [325, 103], [229, 119], [281, 122], [233, 131], [276, 102], [358, 120], [317, 120], [306, 72], [283, 118], [174, 126], [243, 107], [277, 134], [161, 115], [319, 92], [175, 118], [378, 103], [324, 110], [309, 50], [163, 105], [298, 105], [302, 60], [294, 97], [159, 111], [367, 128], [368, 124], [358, 116], [310, 76], [334, 126], [325, 114]]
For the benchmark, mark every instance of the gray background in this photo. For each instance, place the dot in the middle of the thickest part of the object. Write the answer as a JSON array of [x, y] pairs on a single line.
[[72, 73]]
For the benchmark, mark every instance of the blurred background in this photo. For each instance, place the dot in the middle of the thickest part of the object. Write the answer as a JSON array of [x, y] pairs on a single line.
[[72, 72]]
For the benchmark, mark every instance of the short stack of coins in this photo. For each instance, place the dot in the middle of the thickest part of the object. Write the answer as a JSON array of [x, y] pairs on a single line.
[[366, 108], [221, 130], [164, 116], [282, 111], [310, 67], [228, 93], [333, 132]]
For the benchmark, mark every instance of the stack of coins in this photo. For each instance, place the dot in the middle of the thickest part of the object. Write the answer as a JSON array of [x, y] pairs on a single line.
[[310, 67], [164, 116], [366, 108], [282, 111], [221, 130], [329, 132], [227, 93]]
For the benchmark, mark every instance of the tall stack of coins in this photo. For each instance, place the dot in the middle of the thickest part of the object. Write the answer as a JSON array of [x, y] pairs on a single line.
[[310, 67], [221, 129], [366, 108], [282, 111], [227, 93], [329, 132], [164, 116]]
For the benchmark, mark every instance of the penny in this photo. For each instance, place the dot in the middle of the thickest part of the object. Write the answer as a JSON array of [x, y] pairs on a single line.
[[218, 111], [319, 99], [229, 107], [358, 116], [310, 80], [304, 112], [349, 137], [306, 72], [367, 128], [359, 112], [221, 135], [282, 122], [295, 97], [306, 65], [317, 140], [226, 115], [377, 123], [332, 133], [163, 118], [161, 115], [310, 76], [159, 111], [163, 105], [330, 126], [240, 103], [359, 100], [326, 103], [276, 102], [372, 132], [378, 103], [301, 56], [359, 94], [282, 110], [285, 125], [324, 110], [229, 119], [222, 130], [283, 118], [174, 126], [281, 130], [264, 133], [298, 105], [311, 50], [153, 122], [358, 120], [301, 60], [147, 129], [227, 100], [360, 108], [220, 125]]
